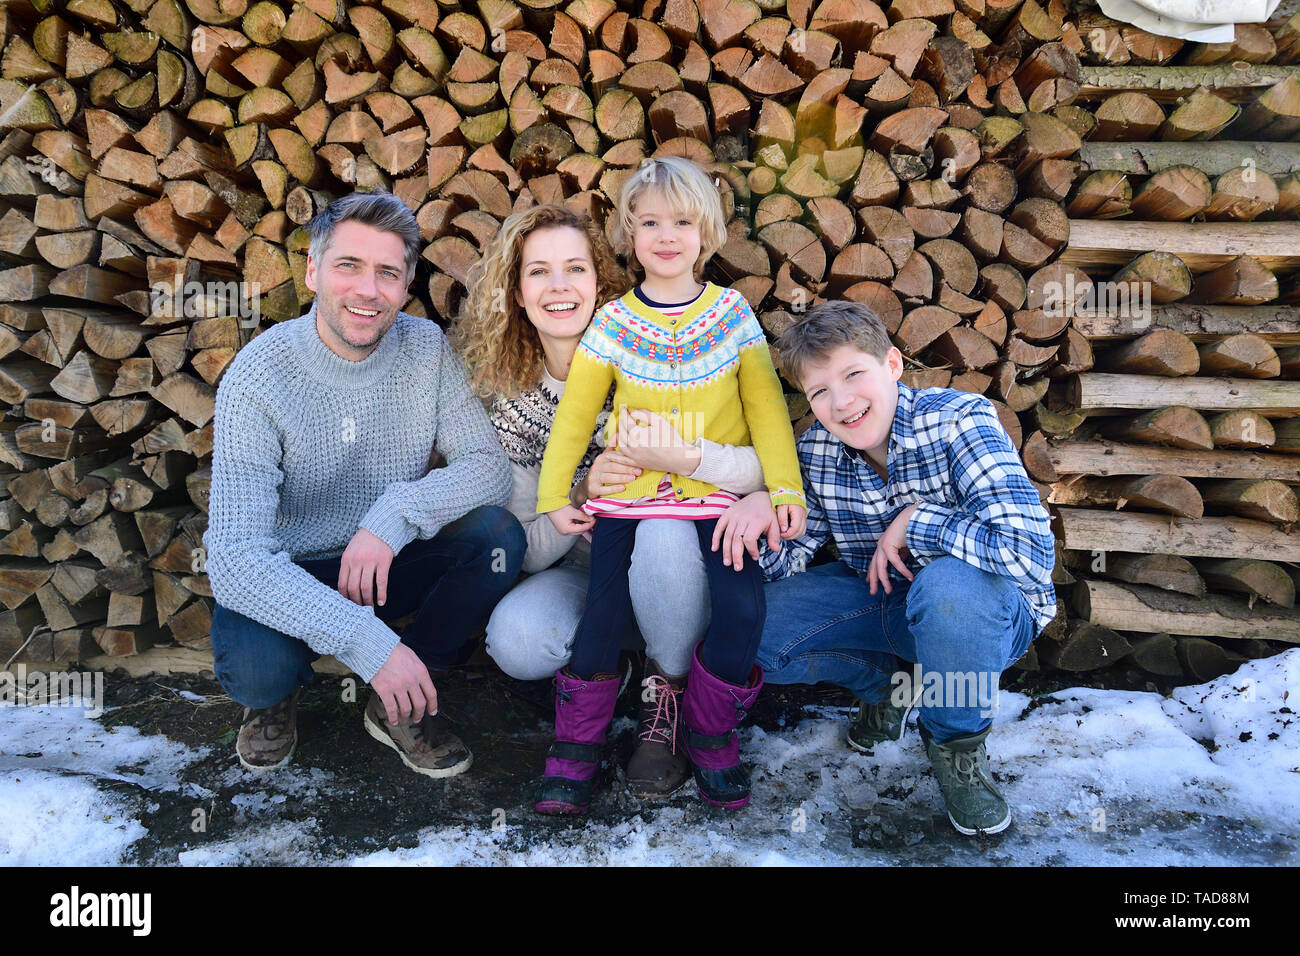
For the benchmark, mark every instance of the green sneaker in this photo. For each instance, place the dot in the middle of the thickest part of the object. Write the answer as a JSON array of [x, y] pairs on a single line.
[[875, 723], [975, 805]]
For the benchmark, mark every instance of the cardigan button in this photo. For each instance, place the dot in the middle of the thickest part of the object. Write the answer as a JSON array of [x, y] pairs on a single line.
[[673, 412]]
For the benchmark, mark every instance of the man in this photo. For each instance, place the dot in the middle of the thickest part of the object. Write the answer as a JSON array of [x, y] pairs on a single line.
[[325, 521]]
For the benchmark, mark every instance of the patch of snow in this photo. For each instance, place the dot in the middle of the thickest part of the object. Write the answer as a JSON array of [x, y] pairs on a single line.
[[1207, 776], [286, 843], [52, 809]]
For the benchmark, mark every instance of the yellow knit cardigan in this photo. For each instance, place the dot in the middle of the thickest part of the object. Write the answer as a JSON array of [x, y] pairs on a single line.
[[708, 371]]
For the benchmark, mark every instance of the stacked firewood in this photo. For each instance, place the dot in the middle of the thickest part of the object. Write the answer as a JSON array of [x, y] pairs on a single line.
[[1171, 465], [921, 156]]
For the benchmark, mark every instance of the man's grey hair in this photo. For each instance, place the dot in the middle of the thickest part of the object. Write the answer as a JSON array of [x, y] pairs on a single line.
[[380, 209], [825, 328]]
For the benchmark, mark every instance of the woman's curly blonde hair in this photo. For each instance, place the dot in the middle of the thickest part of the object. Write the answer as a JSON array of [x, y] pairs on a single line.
[[496, 341]]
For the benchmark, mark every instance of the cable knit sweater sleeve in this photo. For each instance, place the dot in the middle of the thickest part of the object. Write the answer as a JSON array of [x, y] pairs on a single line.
[[247, 565], [476, 474]]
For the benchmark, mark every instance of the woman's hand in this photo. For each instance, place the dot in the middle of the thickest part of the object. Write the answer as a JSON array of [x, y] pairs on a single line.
[[654, 443], [569, 520], [742, 525], [792, 519], [610, 473]]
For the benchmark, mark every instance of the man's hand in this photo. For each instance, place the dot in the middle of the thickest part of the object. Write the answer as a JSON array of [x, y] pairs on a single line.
[[609, 474], [791, 519], [363, 570], [652, 442], [891, 549], [569, 520], [742, 525], [404, 685]]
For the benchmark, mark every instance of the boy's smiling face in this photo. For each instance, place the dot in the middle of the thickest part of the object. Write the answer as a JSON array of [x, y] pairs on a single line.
[[854, 395]]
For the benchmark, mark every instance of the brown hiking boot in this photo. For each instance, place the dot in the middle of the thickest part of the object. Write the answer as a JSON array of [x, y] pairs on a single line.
[[658, 767], [428, 747], [267, 736]]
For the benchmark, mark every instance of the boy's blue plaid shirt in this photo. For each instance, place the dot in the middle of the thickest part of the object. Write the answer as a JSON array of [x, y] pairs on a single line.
[[948, 451]]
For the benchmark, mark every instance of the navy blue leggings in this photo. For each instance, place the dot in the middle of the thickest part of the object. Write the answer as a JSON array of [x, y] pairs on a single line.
[[736, 597]]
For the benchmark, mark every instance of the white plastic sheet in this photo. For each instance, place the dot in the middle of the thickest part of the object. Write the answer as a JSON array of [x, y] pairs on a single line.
[[1202, 21]]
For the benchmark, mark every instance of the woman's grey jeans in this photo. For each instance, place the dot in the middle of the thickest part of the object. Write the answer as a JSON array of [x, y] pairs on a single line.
[[530, 634]]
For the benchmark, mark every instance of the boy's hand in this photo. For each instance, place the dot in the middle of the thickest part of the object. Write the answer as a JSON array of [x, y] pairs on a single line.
[[569, 520], [742, 525], [891, 549], [791, 519]]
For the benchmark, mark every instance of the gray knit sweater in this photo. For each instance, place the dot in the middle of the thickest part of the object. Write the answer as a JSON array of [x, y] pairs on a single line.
[[309, 446]]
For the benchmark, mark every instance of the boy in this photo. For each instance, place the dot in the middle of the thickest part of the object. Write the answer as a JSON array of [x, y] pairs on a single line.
[[946, 554]]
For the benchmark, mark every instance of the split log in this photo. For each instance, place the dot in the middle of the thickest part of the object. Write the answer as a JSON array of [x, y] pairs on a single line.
[[1168, 84], [1084, 647], [1047, 460], [1096, 391], [1201, 246], [1165, 571], [1240, 356], [1166, 493], [1173, 426], [1157, 654], [1137, 608], [1260, 499], [1161, 352], [1256, 579], [1241, 429], [1242, 281], [1277, 325], [1151, 277], [1213, 158], [1086, 530]]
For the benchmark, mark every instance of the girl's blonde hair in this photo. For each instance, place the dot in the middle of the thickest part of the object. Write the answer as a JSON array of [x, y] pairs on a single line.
[[496, 341], [687, 188]]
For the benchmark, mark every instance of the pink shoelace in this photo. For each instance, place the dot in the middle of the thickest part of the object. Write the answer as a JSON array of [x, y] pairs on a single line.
[[665, 713]]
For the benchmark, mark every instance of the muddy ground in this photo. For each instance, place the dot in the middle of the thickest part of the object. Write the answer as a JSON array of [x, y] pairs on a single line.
[[355, 796]]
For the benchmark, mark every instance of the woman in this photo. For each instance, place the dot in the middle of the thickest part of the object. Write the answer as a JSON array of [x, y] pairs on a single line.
[[532, 296]]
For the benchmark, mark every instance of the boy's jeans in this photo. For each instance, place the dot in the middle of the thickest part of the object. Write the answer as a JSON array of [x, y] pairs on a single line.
[[450, 582], [961, 627]]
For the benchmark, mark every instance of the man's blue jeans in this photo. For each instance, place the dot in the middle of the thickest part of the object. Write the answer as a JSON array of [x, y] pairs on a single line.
[[450, 582], [961, 627]]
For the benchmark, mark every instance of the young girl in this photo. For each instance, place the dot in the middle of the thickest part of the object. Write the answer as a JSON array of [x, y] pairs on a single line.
[[694, 354], [556, 268]]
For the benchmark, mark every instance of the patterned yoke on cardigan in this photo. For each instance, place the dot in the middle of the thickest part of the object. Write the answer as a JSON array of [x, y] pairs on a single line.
[[708, 372]]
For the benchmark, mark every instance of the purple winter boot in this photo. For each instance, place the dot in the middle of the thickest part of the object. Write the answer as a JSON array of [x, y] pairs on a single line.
[[583, 710], [711, 711]]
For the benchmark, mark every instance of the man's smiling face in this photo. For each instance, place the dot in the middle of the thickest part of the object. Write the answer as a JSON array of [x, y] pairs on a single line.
[[360, 286]]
